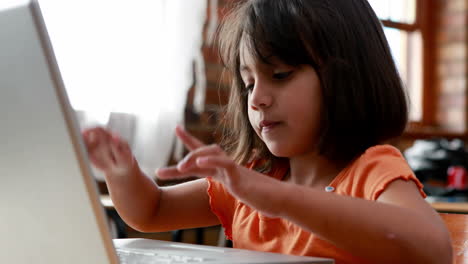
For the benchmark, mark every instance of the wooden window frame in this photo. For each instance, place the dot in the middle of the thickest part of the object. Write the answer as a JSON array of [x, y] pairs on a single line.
[[426, 23]]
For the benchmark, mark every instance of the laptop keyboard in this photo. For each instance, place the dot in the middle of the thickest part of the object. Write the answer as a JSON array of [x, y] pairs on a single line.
[[147, 257]]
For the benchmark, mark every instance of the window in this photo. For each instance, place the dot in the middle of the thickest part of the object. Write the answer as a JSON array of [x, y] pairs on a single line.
[[128, 65], [405, 25]]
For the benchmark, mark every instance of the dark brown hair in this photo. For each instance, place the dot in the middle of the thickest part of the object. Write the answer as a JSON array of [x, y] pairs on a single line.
[[363, 99]]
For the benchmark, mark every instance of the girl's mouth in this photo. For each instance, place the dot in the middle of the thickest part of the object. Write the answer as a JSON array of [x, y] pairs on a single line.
[[267, 126]]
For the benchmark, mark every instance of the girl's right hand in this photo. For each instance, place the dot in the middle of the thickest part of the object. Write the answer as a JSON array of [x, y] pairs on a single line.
[[108, 152]]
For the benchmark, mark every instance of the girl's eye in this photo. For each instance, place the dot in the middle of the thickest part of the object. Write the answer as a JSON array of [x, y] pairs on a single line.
[[282, 75], [249, 87]]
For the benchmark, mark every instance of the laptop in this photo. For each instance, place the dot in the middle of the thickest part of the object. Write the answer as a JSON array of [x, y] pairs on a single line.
[[50, 211]]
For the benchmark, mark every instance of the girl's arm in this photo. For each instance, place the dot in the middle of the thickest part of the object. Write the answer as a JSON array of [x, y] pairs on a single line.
[[399, 228], [148, 208], [140, 202], [183, 206]]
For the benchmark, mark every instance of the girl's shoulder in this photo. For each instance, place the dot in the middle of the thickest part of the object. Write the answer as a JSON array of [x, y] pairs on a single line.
[[370, 174], [381, 151], [386, 157]]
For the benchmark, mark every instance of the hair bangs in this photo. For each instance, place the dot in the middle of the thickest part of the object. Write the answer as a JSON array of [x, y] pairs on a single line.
[[268, 30]]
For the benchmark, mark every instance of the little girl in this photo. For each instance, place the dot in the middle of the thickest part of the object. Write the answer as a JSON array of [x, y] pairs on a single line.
[[303, 169]]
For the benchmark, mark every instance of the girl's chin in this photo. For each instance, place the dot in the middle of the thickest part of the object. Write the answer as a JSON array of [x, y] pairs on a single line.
[[281, 153]]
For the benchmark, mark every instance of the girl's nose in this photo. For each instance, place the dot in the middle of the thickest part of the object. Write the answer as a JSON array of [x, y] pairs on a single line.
[[260, 97]]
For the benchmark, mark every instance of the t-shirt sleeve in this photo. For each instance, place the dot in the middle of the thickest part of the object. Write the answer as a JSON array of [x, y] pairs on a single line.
[[222, 204], [383, 165]]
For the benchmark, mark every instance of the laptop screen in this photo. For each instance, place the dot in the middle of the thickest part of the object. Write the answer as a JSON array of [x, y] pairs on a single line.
[[47, 195]]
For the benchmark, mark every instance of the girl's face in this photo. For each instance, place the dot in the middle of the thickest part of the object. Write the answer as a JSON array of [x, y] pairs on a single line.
[[284, 104]]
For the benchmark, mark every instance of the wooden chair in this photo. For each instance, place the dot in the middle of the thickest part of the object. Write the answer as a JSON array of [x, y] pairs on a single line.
[[457, 225]]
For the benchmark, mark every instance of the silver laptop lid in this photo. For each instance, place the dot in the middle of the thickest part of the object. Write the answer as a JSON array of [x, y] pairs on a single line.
[[46, 188]]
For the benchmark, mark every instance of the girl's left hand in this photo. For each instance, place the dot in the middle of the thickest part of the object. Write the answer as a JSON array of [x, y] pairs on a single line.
[[211, 161]]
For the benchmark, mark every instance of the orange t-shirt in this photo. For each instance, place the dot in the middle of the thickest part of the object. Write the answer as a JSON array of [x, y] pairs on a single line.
[[366, 178]]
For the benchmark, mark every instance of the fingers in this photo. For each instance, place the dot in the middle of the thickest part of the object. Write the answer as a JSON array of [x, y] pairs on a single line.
[[172, 173], [216, 162], [121, 151], [106, 150], [190, 160], [94, 136], [101, 156], [189, 141], [189, 166]]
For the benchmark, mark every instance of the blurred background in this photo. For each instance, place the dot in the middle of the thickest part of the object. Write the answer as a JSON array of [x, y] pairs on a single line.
[[141, 67]]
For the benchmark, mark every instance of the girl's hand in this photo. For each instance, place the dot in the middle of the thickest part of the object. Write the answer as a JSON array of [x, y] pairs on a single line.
[[212, 161], [108, 152]]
